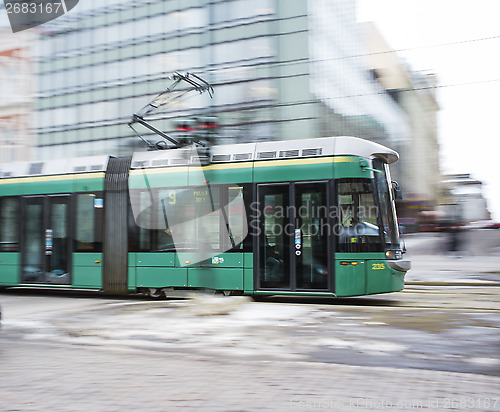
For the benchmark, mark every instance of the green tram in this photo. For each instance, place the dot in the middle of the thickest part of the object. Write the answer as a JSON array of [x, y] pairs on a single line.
[[306, 217]]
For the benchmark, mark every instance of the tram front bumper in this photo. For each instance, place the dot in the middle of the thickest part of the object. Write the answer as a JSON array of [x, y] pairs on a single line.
[[400, 265]]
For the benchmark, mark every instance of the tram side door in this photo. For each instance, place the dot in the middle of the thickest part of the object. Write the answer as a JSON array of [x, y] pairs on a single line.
[[293, 239], [46, 251]]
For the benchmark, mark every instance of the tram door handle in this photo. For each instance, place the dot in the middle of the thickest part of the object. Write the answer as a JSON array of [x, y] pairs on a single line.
[[49, 241]]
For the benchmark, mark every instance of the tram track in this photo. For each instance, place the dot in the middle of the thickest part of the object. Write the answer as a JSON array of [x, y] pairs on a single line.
[[411, 329]]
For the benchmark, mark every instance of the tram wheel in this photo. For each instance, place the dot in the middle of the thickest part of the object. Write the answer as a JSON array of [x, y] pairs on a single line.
[[155, 293]]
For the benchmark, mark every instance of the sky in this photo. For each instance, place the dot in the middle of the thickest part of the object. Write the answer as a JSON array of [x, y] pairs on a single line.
[[459, 40]]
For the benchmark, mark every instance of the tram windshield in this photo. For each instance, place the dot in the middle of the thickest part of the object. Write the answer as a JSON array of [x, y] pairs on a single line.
[[358, 216], [386, 204], [366, 215]]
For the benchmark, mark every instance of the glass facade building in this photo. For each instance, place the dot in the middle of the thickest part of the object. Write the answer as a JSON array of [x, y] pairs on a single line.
[[280, 69]]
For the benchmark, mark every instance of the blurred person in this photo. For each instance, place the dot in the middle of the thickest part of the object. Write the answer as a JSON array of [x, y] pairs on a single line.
[[455, 241]]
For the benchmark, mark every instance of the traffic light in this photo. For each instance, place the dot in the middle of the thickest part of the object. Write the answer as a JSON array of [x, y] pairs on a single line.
[[207, 129], [187, 126], [208, 123], [199, 129]]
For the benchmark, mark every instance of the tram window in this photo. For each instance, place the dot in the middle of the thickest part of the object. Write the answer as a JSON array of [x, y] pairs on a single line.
[[358, 230], [235, 211], [133, 232], [9, 220], [274, 270], [141, 226], [201, 218], [170, 219], [194, 217], [188, 218], [146, 224], [88, 231]]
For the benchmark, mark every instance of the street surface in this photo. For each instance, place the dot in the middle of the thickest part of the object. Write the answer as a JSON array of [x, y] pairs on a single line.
[[434, 346]]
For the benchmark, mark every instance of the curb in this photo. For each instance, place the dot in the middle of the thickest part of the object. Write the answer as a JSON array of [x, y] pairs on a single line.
[[453, 283]]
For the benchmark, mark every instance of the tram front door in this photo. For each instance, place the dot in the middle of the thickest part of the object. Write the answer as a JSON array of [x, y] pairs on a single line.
[[45, 253], [293, 239]]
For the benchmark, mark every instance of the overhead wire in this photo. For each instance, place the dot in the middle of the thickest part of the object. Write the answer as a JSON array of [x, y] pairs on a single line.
[[431, 46], [402, 50]]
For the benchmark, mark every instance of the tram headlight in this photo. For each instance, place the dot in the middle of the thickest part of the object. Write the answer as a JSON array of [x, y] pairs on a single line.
[[393, 254]]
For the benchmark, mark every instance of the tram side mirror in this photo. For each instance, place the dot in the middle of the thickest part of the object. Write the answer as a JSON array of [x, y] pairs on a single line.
[[402, 245], [397, 193]]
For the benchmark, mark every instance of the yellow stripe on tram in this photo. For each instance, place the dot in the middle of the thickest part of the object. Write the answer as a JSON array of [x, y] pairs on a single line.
[[52, 178], [245, 165], [183, 169]]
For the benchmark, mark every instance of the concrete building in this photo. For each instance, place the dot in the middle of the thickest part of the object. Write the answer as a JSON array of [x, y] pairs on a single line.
[[414, 92], [464, 201], [16, 95], [281, 69]]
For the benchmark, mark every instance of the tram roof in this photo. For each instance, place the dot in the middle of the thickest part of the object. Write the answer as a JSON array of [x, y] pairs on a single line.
[[286, 149], [55, 166]]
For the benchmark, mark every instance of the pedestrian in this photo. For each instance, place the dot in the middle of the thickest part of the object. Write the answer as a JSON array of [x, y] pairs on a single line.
[[455, 239]]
